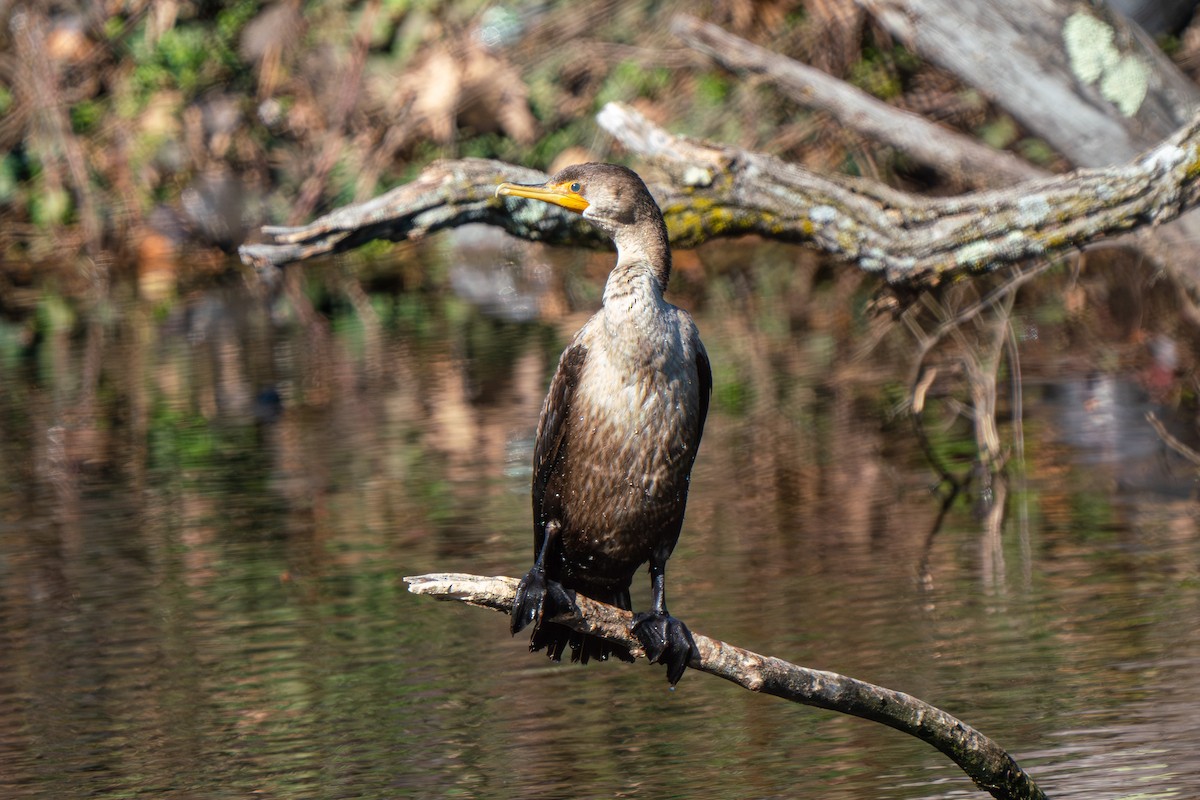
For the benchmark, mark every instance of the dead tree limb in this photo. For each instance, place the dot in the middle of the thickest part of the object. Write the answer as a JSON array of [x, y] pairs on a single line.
[[984, 761], [445, 195], [935, 145], [718, 191], [1078, 75]]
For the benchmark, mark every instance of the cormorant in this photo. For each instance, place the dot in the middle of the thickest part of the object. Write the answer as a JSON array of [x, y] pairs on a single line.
[[618, 433]]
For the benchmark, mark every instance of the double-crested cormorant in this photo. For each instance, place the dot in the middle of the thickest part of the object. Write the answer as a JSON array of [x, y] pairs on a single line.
[[618, 433]]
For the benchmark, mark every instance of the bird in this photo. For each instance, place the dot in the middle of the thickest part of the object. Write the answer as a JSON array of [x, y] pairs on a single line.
[[618, 433]]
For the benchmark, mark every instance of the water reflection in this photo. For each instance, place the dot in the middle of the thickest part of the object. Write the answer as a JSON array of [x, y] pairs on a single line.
[[206, 511]]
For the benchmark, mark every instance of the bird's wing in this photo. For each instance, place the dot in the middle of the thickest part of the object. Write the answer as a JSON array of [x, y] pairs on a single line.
[[704, 375], [553, 436]]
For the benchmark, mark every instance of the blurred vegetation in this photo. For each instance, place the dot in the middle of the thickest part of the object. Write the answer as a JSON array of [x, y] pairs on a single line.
[[132, 129]]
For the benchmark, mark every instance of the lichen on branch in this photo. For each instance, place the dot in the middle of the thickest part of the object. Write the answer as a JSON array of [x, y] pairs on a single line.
[[709, 191]]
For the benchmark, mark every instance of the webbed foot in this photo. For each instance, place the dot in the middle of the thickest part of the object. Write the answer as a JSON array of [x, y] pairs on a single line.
[[538, 597], [666, 640]]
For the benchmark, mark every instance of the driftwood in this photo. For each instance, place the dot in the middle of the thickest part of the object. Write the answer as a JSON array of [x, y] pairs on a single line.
[[718, 191], [985, 762]]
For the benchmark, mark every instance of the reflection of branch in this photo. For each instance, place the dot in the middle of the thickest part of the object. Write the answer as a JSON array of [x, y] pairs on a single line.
[[982, 759], [980, 373], [1170, 441]]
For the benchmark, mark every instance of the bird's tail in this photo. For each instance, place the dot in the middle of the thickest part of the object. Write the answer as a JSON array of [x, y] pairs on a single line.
[[584, 647]]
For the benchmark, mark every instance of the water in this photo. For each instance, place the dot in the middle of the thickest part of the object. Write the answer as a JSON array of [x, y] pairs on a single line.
[[207, 510]]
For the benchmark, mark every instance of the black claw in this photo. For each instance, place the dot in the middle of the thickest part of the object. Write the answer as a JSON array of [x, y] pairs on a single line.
[[537, 597], [527, 602], [666, 640]]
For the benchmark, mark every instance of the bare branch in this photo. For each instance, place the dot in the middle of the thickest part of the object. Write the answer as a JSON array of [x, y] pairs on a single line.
[[445, 195], [987, 764], [1078, 75], [932, 144]]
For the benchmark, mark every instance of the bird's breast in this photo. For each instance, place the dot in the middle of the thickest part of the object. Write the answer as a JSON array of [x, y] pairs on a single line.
[[633, 443]]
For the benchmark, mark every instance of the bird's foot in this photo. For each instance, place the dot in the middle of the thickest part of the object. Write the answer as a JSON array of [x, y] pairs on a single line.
[[538, 597], [666, 640]]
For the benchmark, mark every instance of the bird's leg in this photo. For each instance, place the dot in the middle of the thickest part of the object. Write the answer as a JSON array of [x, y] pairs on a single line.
[[536, 595], [665, 639]]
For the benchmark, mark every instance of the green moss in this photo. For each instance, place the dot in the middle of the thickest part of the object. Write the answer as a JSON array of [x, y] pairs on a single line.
[[546, 149], [55, 314], [185, 53]]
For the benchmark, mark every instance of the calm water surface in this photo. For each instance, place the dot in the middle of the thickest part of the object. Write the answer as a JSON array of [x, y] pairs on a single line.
[[207, 510]]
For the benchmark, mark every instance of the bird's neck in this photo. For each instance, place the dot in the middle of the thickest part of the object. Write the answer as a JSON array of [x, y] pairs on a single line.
[[635, 315], [643, 263]]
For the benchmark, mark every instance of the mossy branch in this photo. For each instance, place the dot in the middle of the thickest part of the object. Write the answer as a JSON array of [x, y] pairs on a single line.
[[910, 240], [715, 191], [985, 762]]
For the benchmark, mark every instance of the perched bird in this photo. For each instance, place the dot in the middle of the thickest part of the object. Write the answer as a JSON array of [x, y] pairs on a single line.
[[618, 433]]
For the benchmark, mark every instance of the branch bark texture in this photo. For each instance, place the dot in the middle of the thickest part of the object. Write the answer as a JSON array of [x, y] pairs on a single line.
[[446, 194], [714, 191], [1079, 75], [985, 762]]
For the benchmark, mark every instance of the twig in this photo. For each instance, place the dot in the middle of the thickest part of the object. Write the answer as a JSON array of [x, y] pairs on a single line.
[[1170, 441], [985, 762]]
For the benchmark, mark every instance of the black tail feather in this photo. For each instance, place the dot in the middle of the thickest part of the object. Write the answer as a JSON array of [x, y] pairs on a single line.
[[584, 648]]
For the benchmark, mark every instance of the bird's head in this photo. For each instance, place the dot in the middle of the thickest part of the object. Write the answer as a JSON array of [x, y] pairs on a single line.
[[608, 195], [614, 199]]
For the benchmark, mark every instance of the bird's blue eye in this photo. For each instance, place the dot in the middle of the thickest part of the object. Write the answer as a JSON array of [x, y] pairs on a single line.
[[575, 187]]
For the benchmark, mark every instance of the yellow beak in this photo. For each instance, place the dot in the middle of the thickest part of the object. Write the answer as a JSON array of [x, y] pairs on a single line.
[[550, 193]]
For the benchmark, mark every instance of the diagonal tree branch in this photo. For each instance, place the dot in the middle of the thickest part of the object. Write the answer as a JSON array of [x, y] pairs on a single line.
[[907, 238], [985, 762], [936, 145], [716, 191]]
